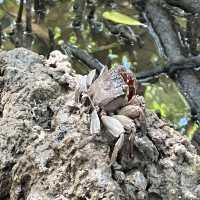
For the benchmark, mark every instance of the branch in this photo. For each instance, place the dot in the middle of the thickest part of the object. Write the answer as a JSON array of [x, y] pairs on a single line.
[[83, 56], [192, 6], [20, 11]]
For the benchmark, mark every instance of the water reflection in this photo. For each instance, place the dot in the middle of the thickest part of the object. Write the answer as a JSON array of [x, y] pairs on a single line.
[[165, 98]]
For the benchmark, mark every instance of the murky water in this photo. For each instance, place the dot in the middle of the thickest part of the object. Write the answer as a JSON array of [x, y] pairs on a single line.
[[162, 96]]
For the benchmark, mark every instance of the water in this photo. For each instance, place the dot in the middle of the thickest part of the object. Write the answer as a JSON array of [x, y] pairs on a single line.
[[162, 96]]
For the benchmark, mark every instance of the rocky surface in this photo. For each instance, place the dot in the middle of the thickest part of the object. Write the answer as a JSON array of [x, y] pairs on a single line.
[[41, 135]]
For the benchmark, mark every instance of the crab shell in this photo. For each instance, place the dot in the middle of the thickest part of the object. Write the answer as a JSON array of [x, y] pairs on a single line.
[[112, 89]]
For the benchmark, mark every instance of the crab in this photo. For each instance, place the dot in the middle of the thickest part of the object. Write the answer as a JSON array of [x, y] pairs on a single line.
[[115, 103]]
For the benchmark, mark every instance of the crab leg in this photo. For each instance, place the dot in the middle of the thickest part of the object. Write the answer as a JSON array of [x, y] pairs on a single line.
[[131, 140], [113, 125], [81, 87], [95, 123], [91, 77], [83, 83], [117, 147]]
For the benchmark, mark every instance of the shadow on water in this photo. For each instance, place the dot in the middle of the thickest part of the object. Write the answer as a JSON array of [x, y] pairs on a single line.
[[162, 96]]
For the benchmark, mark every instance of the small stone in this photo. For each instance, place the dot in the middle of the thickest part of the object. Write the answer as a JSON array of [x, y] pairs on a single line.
[[138, 180]]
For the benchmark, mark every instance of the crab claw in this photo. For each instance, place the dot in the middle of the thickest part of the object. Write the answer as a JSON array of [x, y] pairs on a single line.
[[127, 122], [113, 125], [131, 111], [135, 112]]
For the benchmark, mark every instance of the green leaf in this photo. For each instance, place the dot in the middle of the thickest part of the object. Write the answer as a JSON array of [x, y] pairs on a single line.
[[117, 17]]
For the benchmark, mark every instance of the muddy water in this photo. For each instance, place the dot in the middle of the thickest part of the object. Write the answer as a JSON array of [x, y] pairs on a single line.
[[162, 96]]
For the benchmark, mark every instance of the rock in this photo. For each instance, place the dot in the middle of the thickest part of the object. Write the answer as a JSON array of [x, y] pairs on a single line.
[[138, 180], [41, 137]]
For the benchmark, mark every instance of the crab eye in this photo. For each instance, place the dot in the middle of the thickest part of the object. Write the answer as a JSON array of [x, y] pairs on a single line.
[[129, 81], [125, 88]]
